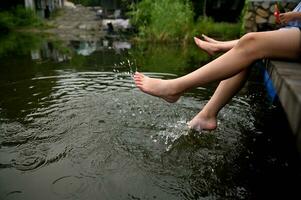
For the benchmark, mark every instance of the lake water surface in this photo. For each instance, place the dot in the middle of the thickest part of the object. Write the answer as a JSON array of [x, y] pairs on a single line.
[[73, 126]]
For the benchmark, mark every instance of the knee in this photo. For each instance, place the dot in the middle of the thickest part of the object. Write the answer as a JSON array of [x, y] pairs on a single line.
[[249, 45], [248, 38]]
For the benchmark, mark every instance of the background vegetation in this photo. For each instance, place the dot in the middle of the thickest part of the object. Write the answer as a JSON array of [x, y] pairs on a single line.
[[18, 17], [159, 20], [87, 2], [179, 20], [154, 20], [165, 20]]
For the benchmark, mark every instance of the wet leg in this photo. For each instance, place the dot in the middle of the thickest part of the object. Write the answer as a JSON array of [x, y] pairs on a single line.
[[207, 118]]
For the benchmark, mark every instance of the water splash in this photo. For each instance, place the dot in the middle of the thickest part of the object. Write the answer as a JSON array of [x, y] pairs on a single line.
[[171, 133], [128, 66]]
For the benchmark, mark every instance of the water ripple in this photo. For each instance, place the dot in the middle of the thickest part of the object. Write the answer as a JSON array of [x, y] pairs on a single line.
[[108, 130], [29, 162], [69, 186]]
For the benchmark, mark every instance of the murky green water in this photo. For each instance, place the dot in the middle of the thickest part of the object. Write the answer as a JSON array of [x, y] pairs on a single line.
[[73, 126]]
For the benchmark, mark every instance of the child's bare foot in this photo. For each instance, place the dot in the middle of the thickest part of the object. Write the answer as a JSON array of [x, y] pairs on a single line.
[[157, 87], [202, 122], [209, 39], [210, 48]]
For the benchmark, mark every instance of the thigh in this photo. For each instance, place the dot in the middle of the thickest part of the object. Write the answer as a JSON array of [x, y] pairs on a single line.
[[284, 43]]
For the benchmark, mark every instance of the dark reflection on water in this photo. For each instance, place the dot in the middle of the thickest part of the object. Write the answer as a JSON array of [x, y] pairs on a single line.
[[73, 126]]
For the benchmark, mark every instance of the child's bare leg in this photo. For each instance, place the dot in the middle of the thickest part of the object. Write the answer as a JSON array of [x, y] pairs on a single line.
[[214, 47], [251, 47], [206, 119]]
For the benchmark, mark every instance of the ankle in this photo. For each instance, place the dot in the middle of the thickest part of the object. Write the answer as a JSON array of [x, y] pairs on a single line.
[[207, 114], [202, 121], [175, 87]]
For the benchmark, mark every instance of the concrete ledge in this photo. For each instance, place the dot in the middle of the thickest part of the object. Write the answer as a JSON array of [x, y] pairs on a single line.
[[286, 78]]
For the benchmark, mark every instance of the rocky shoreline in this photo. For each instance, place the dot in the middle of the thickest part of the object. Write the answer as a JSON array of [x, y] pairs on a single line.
[[76, 23]]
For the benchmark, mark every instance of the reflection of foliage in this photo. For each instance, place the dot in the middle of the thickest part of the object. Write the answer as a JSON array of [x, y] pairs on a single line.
[[61, 47], [172, 58], [167, 58], [79, 62], [19, 43], [99, 60]]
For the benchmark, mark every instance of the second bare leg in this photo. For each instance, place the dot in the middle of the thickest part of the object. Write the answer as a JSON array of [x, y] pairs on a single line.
[[250, 48], [206, 119]]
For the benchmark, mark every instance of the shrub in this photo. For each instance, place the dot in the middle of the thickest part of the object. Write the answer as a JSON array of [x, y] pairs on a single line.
[[18, 17], [162, 19], [6, 21], [221, 30]]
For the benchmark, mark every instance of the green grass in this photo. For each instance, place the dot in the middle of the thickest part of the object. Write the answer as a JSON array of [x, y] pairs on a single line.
[[159, 20], [221, 30], [18, 17], [172, 20]]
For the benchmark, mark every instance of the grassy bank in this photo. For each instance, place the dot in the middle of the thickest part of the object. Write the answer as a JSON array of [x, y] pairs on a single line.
[[18, 17], [221, 30], [173, 20]]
